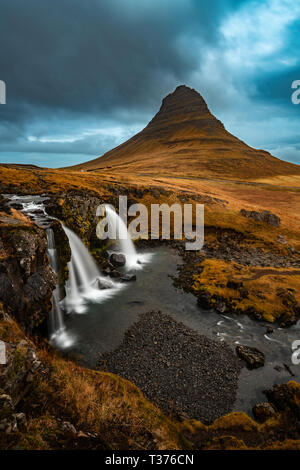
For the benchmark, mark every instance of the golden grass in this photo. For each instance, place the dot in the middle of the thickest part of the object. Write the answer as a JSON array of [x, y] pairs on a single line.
[[264, 292], [116, 411], [104, 403]]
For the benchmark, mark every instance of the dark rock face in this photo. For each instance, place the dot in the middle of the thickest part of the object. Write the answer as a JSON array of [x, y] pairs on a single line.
[[117, 259], [253, 357], [262, 216], [26, 279], [78, 212], [17, 375], [263, 411], [63, 251]]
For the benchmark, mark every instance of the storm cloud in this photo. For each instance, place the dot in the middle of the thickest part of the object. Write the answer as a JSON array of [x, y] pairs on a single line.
[[82, 76]]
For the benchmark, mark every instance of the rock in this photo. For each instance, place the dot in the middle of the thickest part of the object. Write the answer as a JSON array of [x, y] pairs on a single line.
[[253, 357], [6, 288], [234, 284], [281, 239], [16, 205], [114, 273], [128, 278], [285, 397], [101, 284], [117, 259], [106, 271], [262, 216], [181, 416], [9, 424], [21, 421], [20, 371], [6, 404], [204, 300], [69, 428], [80, 209], [26, 278], [263, 411], [220, 306], [269, 330]]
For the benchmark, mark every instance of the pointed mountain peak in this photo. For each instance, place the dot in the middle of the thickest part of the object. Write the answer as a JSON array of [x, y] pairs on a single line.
[[189, 98], [184, 104]]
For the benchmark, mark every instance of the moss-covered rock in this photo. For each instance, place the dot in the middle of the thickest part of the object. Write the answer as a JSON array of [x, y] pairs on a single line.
[[26, 279]]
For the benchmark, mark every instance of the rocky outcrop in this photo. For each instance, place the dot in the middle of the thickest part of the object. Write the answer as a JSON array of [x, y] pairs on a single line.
[[77, 210], [263, 411], [63, 252], [19, 368], [18, 372], [26, 279], [262, 216]]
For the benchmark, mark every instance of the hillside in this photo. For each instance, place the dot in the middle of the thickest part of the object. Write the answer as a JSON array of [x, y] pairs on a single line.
[[184, 139]]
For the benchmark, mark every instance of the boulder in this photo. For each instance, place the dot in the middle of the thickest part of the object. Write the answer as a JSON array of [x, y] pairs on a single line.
[[114, 273], [220, 306], [117, 259], [204, 300], [253, 357], [263, 411], [101, 284], [128, 278], [106, 271]]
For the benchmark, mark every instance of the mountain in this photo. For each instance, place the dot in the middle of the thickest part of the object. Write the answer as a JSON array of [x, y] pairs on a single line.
[[185, 139]]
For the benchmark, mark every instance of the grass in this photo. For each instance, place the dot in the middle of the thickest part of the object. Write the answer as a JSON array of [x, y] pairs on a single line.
[[112, 413], [272, 295]]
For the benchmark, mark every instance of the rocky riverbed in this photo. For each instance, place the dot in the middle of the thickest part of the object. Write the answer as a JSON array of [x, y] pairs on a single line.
[[184, 373]]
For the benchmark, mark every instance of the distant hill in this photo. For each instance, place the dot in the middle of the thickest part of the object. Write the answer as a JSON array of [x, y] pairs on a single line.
[[21, 166], [185, 139]]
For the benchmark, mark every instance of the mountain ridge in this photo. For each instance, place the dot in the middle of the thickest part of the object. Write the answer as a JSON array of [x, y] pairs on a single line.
[[185, 138]]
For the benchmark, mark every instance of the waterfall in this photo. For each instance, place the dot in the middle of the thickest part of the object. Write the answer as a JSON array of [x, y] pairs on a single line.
[[84, 268], [85, 282], [58, 335], [123, 237]]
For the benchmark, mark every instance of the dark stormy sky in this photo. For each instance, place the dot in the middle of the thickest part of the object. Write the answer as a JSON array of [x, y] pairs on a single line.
[[84, 75]]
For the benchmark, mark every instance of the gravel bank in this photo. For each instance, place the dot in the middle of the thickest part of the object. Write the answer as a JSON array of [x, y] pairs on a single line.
[[176, 368]]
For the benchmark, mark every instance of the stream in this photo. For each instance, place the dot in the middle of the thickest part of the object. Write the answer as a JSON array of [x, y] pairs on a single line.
[[101, 325]]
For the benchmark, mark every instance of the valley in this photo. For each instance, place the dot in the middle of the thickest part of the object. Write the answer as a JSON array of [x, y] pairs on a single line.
[[241, 288]]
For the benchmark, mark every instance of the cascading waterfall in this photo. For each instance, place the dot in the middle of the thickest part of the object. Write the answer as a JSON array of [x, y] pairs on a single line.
[[58, 335], [85, 282], [123, 237]]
